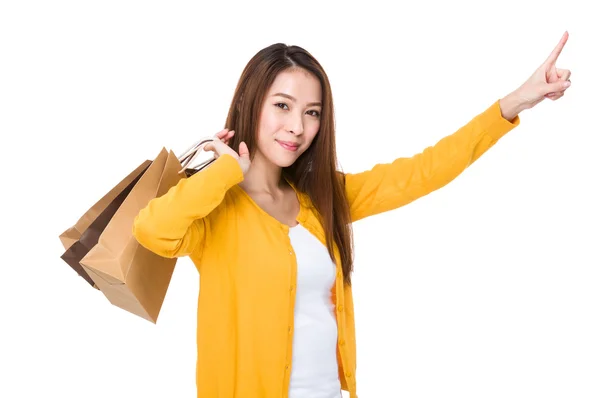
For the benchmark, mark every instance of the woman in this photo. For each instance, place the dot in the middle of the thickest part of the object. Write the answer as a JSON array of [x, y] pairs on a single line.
[[268, 225]]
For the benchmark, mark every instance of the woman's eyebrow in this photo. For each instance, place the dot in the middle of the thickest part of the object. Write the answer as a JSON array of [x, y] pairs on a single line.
[[294, 99]]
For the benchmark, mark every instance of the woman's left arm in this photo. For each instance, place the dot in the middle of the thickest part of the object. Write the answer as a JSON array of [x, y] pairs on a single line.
[[388, 186]]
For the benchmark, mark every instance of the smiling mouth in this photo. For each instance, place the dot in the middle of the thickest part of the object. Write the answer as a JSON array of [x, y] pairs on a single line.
[[288, 146]]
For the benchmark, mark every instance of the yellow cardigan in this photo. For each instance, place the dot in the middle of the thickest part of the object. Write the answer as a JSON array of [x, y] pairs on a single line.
[[247, 266]]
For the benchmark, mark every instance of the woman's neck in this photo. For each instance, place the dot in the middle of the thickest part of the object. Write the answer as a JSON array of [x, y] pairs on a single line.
[[263, 177]]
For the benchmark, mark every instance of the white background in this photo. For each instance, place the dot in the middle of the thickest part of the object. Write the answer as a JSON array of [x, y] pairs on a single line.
[[488, 287]]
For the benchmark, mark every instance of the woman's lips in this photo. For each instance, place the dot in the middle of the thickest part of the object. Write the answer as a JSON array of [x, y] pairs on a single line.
[[288, 145]]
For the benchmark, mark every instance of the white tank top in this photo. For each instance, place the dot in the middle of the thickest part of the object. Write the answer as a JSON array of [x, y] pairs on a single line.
[[314, 361]]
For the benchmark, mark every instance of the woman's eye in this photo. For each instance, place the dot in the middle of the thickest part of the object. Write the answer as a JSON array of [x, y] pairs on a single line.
[[284, 106]]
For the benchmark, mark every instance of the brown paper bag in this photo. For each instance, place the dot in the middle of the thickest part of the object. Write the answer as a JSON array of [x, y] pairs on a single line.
[[81, 237], [129, 275]]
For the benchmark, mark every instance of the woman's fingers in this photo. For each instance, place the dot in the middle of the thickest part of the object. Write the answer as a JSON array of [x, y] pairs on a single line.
[[221, 134], [563, 74], [219, 147], [228, 137], [225, 135], [555, 96], [221, 144], [213, 145]]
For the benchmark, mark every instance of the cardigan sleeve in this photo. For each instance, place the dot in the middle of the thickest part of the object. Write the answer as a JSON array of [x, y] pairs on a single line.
[[175, 224], [388, 186]]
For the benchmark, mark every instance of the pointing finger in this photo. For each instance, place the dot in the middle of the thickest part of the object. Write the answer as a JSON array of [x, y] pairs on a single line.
[[557, 50]]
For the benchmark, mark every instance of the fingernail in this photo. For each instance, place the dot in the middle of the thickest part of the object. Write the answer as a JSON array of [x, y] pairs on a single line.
[[566, 84]]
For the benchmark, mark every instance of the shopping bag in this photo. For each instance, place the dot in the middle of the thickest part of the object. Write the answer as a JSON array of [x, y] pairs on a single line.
[[101, 246], [81, 237], [130, 276]]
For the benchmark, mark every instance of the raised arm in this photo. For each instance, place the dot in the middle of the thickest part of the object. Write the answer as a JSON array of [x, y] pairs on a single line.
[[388, 186], [175, 224], [391, 185]]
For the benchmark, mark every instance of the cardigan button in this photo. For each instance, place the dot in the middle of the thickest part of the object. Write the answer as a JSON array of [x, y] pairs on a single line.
[[340, 308], [342, 342], [348, 375]]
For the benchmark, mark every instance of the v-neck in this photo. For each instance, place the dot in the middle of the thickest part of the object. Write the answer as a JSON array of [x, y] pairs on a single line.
[[300, 217]]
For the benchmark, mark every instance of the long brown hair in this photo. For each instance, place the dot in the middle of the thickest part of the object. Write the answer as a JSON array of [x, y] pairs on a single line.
[[314, 172]]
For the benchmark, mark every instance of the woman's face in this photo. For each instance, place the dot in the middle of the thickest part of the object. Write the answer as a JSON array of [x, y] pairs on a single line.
[[290, 117]]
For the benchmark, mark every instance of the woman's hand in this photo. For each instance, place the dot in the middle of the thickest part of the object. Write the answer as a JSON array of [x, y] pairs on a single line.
[[220, 147], [547, 81]]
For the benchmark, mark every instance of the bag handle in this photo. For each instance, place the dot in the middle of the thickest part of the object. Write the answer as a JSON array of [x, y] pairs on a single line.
[[194, 148], [190, 154]]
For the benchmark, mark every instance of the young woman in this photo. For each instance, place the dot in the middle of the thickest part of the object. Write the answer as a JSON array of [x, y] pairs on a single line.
[[268, 225]]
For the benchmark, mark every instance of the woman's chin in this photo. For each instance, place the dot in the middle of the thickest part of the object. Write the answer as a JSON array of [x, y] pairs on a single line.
[[284, 162], [283, 159], [280, 157]]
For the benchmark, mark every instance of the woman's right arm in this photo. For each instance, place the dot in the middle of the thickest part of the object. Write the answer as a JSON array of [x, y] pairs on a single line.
[[175, 224]]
